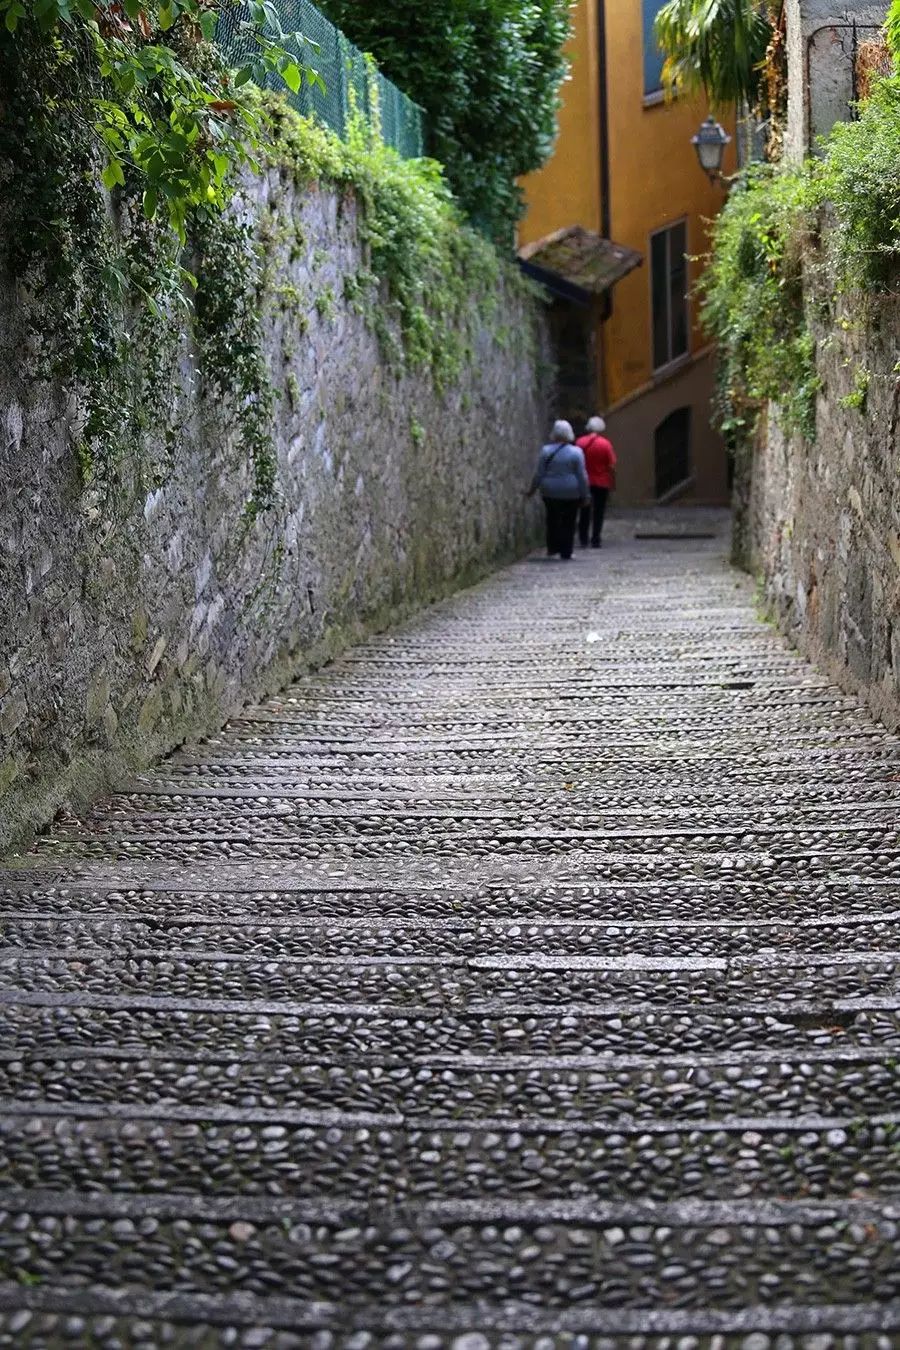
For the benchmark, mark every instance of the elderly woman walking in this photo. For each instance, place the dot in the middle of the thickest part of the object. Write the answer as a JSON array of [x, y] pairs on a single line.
[[562, 480], [600, 462]]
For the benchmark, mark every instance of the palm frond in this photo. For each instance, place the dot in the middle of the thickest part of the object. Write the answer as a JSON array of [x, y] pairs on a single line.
[[715, 45]]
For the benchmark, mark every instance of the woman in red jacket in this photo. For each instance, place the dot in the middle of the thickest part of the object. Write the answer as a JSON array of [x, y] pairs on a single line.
[[600, 462]]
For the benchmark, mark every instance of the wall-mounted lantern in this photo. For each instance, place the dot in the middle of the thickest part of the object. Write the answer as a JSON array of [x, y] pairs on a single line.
[[710, 142]]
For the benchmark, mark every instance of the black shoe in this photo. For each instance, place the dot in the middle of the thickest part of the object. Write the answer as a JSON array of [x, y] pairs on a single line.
[[595, 543]]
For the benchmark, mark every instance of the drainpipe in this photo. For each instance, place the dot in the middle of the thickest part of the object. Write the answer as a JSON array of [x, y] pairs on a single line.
[[602, 69], [606, 304]]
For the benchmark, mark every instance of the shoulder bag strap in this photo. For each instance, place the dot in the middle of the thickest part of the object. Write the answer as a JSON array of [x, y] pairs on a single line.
[[550, 458]]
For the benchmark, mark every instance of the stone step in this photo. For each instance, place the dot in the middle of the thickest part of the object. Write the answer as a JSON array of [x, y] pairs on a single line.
[[640, 755], [496, 689], [681, 902], [587, 1088], [475, 715], [38, 1318], [561, 1256], [639, 660], [637, 668], [569, 738], [44, 1024], [453, 983], [682, 776], [236, 796], [213, 818], [457, 937], [614, 727], [765, 685], [772, 763], [124, 1149], [402, 870], [872, 852]]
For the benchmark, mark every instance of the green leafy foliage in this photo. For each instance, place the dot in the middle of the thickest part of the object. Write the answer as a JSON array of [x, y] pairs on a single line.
[[132, 96], [859, 394], [164, 108], [892, 31], [859, 177], [837, 219], [105, 280], [427, 266], [229, 323], [716, 45], [752, 292], [59, 239], [487, 73]]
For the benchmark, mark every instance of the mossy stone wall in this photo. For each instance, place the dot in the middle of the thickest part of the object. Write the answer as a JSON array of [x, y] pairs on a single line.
[[824, 513], [132, 621]]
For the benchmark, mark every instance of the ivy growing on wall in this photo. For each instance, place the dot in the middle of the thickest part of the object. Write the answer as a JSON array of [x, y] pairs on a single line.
[[111, 274], [859, 177], [121, 129], [160, 104], [892, 31], [753, 303], [835, 220]]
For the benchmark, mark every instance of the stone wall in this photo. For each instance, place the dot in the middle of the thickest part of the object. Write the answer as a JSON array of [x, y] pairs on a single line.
[[126, 627], [825, 517], [820, 58]]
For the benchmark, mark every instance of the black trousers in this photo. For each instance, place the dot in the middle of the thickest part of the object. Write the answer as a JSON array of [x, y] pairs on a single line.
[[561, 519], [591, 517]]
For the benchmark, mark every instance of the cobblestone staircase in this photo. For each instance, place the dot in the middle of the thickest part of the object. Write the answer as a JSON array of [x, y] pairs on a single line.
[[525, 979]]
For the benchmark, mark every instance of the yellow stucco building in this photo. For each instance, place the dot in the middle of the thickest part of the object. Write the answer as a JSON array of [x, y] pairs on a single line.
[[624, 168]]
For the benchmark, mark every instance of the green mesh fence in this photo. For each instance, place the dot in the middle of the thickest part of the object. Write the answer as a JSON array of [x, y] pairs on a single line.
[[344, 71]]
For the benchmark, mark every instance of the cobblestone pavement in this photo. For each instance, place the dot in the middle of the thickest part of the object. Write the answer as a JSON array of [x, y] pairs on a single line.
[[525, 979]]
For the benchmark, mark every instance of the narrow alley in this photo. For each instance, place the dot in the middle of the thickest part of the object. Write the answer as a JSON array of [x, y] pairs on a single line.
[[526, 978]]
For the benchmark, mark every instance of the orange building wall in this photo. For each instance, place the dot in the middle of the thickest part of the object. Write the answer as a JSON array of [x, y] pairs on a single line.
[[654, 180], [566, 191]]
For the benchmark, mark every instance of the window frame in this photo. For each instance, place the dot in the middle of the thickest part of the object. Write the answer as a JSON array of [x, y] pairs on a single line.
[[671, 361], [647, 36]]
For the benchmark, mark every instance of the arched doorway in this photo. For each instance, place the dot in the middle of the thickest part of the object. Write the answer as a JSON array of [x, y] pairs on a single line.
[[672, 452]]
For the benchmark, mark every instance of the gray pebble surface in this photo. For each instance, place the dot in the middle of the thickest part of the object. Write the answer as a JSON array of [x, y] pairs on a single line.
[[527, 979]]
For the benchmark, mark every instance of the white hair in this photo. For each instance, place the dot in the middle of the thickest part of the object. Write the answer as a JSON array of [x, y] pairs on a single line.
[[562, 431], [596, 425]]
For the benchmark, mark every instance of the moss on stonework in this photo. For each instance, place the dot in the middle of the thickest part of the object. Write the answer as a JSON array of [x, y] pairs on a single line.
[[792, 248], [430, 280], [106, 283]]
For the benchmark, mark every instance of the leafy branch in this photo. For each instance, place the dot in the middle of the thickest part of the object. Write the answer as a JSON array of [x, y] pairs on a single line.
[[718, 46], [167, 111]]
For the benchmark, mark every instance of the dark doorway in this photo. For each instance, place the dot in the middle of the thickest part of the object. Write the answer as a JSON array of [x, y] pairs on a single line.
[[672, 451], [572, 334]]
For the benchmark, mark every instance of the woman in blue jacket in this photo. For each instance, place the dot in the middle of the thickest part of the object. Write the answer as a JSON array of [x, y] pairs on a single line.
[[562, 480]]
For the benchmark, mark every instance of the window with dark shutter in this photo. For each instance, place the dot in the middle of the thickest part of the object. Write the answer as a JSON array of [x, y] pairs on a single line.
[[669, 286]]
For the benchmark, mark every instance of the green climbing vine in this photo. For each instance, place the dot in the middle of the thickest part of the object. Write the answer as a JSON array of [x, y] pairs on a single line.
[[789, 246], [126, 242], [229, 331], [425, 264], [160, 104], [122, 132], [753, 301], [892, 32]]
